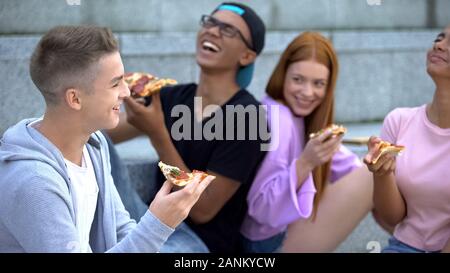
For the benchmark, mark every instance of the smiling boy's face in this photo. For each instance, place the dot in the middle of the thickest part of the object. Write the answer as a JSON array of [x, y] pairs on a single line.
[[100, 106], [217, 51]]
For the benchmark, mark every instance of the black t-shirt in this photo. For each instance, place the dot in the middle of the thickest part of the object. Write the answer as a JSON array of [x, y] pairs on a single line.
[[233, 157]]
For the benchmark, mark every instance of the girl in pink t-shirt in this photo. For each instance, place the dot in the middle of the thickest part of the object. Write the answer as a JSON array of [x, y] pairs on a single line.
[[412, 191]]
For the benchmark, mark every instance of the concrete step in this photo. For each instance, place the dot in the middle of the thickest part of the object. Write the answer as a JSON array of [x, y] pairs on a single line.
[[367, 237]]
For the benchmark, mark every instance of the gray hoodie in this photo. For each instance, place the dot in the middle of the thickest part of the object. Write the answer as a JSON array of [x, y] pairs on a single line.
[[37, 209]]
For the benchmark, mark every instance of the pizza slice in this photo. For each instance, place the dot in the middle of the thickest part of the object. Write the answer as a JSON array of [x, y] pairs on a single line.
[[336, 130], [178, 176], [156, 85], [145, 84], [385, 147], [136, 82]]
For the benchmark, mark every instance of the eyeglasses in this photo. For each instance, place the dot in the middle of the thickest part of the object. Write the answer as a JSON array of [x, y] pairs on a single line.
[[225, 29]]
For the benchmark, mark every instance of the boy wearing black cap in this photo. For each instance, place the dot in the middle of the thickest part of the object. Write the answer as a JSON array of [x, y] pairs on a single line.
[[227, 45]]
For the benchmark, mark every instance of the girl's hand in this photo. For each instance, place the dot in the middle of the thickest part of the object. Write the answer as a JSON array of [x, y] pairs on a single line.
[[385, 164], [320, 149]]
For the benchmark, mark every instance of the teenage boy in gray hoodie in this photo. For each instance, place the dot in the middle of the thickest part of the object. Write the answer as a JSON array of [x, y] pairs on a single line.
[[56, 189]]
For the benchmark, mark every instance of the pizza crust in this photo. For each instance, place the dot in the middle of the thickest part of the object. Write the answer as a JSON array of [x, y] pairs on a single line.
[[335, 130]]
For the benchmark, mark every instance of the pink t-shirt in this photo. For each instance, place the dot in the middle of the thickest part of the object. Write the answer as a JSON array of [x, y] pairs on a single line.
[[423, 177]]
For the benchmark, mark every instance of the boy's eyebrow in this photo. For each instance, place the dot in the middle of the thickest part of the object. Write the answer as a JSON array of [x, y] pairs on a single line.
[[116, 79], [441, 35]]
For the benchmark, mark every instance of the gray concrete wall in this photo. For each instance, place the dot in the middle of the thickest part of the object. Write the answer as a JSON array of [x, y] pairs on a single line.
[[379, 70], [37, 16], [381, 47]]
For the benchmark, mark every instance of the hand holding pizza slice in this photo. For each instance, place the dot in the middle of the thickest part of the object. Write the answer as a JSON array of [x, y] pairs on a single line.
[[385, 147], [177, 176], [380, 159]]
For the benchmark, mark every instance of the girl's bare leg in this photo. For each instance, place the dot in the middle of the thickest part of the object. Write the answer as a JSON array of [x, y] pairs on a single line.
[[344, 204]]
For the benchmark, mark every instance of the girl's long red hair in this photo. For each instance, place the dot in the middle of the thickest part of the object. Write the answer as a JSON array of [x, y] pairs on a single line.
[[310, 46]]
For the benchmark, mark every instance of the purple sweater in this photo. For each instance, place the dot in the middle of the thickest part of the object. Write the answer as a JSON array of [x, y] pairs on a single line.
[[273, 200]]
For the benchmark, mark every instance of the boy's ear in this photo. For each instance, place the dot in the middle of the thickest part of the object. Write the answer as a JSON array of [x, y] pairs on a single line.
[[247, 58], [72, 97]]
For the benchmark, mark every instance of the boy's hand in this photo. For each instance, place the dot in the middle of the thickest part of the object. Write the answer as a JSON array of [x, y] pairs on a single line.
[[172, 208], [149, 120]]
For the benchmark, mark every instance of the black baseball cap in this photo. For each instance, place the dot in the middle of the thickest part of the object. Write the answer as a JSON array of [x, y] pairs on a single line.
[[257, 33]]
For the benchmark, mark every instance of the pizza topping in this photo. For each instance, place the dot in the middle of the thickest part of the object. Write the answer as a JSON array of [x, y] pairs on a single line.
[[144, 84], [174, 172], [143, 80], [179, 174], [138, 88], [179, 177]]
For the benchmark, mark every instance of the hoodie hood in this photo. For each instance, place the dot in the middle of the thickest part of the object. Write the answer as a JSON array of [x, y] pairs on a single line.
[[22, 142]]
